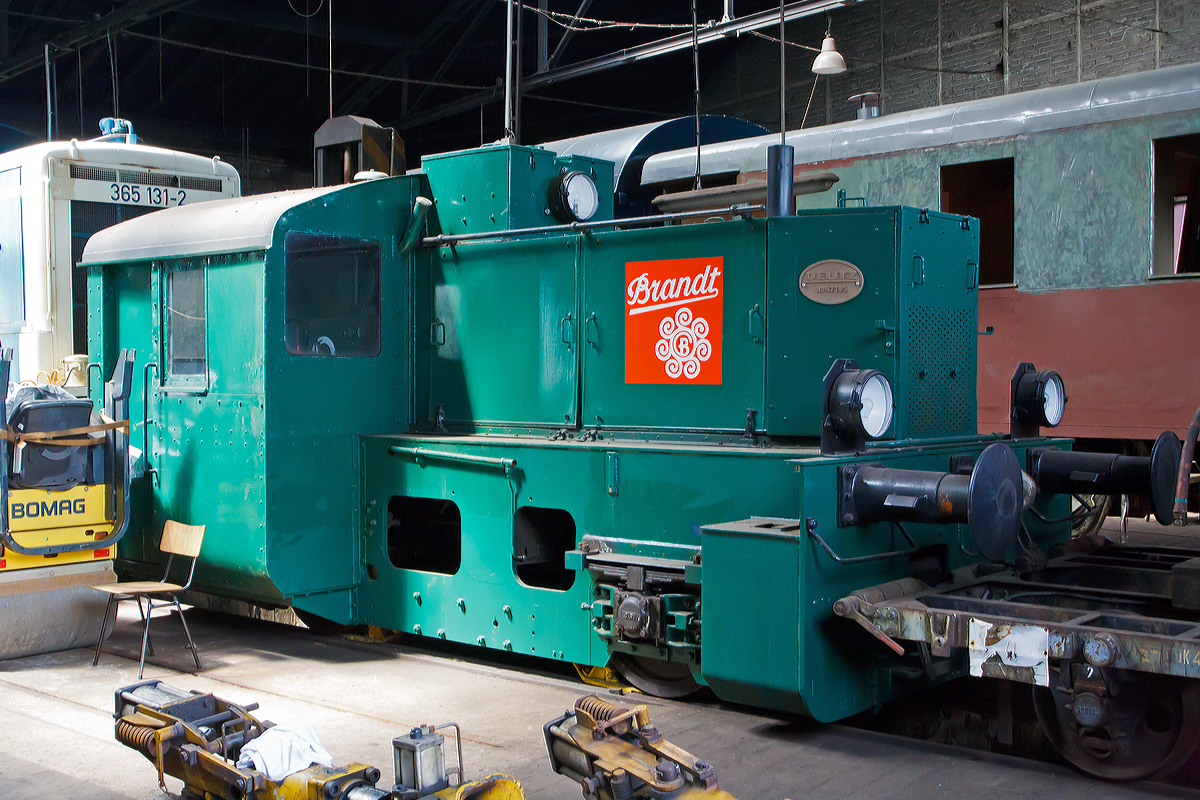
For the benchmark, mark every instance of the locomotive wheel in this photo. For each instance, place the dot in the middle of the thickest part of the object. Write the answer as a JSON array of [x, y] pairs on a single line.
[[659, 678], [1153, 728]]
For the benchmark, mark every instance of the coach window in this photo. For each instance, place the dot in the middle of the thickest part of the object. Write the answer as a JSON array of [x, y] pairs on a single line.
[[984, 189], [1177, 206], [186, 310], [331, 295]]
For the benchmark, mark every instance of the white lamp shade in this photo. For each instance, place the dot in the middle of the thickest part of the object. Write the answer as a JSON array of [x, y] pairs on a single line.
[[829, 61]]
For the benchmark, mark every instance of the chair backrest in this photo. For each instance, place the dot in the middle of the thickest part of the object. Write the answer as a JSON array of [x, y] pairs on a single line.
[[180, 539]]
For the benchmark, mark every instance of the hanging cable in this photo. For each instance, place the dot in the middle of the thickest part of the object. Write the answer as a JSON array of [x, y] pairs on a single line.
[[783, 79], [112, 69], [896, 64], [79, 85], [696, 95], [811, 95], [316, 11], [572, 22], [331, 59]]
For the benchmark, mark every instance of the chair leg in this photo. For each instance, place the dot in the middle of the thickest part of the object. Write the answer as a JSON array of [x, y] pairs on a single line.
[[145, 635], [191, 644], [103, 625], [149, 641]]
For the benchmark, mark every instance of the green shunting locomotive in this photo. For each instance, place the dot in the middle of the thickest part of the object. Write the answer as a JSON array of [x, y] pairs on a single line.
[[710, 448]]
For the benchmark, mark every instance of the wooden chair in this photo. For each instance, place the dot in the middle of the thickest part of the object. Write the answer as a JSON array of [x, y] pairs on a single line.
[[177, 539]]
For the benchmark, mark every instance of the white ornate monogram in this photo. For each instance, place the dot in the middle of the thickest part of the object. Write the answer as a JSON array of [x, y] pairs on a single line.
[[684, 344]]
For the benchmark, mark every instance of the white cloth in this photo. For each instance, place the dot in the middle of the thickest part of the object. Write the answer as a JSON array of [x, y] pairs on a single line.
[[285, 749]]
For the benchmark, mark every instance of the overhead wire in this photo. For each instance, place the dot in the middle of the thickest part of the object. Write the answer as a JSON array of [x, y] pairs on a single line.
[[572, 21], [1093, 18], [897, 64], [298, 65]]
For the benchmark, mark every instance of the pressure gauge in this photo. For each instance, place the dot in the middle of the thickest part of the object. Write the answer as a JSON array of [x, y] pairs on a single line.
[[574, 197]]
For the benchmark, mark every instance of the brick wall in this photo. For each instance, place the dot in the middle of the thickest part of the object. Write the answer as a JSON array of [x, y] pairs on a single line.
[[923, 53]]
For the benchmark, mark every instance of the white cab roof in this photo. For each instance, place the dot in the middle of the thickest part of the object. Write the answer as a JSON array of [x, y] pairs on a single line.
[[214, 226]]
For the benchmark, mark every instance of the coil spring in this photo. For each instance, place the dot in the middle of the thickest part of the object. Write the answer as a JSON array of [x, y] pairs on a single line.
[[598, 708], [139, 737]]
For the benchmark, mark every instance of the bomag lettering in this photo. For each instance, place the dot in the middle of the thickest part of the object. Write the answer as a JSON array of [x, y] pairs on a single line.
[[44, 508]]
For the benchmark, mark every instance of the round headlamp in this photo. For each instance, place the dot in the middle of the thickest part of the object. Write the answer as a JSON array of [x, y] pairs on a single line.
[[861, 403], [1040, 398], [573, 197]]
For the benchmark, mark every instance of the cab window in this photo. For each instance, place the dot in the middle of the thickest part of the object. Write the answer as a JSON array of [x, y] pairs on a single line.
[[186, 312], [332, 296]]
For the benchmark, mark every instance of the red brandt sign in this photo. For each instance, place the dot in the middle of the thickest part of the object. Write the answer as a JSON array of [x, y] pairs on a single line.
[[673, 321]]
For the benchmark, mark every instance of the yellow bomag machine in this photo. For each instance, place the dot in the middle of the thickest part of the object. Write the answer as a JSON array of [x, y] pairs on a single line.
[[215, 747], [199, 738], [64, 503]]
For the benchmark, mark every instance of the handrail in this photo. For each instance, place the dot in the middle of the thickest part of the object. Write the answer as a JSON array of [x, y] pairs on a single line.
[[583, 227], [506, 464], [146, 413], [810, 527]]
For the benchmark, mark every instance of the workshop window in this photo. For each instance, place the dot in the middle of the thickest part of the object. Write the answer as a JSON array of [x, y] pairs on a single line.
[[186, 310], [984, 189], [1177, 205], [541, 539], [331, 295], [424, 533]]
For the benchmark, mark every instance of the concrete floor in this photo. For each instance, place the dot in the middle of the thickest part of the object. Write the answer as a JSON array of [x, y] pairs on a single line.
[[56, 729]]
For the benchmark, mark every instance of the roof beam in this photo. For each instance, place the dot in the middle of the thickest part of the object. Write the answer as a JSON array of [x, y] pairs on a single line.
[[367, 89], [714, 32], [290, 23], [566, 37], [453, 54], [127, 15]]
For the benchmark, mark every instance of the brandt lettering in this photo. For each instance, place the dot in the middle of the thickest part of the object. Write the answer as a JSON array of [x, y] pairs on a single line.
[[831, 281]]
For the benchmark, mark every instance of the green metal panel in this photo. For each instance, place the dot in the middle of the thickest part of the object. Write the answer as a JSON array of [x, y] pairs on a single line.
[[500, 187], [836, 669], [750, 583], [663, 497], [261, 447], [938, 320], [207, 440], [804, 336], [490, 360], [317, 406], [610, 397]]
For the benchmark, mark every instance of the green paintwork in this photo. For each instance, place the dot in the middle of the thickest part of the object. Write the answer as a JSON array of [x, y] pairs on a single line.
[[770, 636], [666, 494], [465, 364], [516, 346], [501, 187], [610, 402], [244, 449], [916, 324]]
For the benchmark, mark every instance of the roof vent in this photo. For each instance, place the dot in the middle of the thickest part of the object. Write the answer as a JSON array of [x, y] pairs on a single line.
[[868, 104]]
